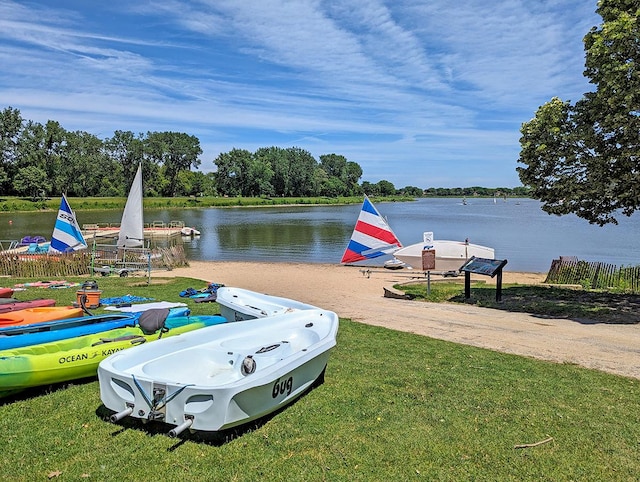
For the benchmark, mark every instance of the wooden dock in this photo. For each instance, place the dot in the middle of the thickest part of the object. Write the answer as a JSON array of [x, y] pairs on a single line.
[[155, 230]]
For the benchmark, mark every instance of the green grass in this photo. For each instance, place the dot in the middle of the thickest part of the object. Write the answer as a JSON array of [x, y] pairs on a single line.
[[552, 301], [19, 204], [394, 406]]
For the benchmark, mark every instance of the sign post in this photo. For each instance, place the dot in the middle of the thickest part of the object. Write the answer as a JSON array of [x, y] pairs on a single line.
[[428, 257]]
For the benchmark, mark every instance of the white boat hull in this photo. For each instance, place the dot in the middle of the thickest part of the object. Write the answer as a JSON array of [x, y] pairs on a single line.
[[188, 231], [450, 255], [237, 304], [197, 382]]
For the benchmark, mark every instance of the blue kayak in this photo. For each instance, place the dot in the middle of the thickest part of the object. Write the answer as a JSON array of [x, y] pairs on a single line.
[[37, 333]]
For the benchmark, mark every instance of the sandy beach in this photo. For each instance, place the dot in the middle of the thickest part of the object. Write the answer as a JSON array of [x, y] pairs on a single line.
[[357, 295]]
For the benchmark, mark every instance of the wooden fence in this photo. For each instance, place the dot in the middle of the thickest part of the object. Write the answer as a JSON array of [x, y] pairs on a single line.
[[76, 264], [594, 275]]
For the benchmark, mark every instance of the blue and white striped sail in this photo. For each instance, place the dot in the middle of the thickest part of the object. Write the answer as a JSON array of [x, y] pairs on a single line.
[[66, 232]]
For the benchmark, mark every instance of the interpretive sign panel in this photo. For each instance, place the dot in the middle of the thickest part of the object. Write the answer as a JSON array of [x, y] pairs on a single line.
[[487, 267]]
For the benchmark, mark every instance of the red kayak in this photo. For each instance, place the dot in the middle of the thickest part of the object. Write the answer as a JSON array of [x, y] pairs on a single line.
[[6, 292], [22, 305]]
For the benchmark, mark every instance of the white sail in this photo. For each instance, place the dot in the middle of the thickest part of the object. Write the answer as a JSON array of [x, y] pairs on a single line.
[[132, 224], [66, 232]]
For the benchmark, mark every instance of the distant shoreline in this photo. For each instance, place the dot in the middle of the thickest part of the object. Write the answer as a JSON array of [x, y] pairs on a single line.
[[10, 205]]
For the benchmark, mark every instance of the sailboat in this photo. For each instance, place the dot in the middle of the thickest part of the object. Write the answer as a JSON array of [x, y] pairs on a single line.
[[372, 236], [66, 236], [132, 223]]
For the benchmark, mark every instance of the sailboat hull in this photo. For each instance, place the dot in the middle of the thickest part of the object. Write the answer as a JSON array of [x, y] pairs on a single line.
[[450, 255]]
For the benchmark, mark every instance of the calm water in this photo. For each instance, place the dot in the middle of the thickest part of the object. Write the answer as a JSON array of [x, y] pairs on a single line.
[[519, 231]]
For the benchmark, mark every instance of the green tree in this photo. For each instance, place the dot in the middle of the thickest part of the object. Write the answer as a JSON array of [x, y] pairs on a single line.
[[86, 168], [386, 188], [32, 181], [334, 165], [302, 165], [370, 189], [353, 175], [279, 161], [232, 168], [11, 123], [176, 152], [319, 181], [259, 176], [203, 184], [126, 150], [412, 191], [333, 187], [583, 159]]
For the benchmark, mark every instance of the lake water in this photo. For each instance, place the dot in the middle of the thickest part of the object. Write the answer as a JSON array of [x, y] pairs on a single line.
[[518, 230]]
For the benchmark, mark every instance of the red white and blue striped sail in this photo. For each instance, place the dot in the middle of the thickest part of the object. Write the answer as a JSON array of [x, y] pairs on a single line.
[[372, 236], [66, 232]]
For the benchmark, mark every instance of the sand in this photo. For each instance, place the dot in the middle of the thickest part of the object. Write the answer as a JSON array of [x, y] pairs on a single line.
[[359, 295]]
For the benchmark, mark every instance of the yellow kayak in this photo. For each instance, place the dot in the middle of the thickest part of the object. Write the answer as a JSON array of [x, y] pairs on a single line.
[[75, 358]]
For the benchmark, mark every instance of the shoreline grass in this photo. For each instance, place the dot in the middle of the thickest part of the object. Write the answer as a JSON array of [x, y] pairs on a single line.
[[20, 204], [394, 406]]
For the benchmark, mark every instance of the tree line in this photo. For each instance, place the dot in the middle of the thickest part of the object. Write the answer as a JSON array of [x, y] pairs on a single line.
[[44, 160], [47, 160]]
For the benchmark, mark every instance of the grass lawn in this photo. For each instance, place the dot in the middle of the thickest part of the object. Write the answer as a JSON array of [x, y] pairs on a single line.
[[394, 406], [553, 301]]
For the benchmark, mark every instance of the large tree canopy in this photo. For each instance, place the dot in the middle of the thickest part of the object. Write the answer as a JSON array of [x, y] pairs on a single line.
[[584, 159]]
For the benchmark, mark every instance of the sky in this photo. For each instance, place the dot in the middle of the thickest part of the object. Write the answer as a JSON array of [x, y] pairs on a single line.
[[426, 93]]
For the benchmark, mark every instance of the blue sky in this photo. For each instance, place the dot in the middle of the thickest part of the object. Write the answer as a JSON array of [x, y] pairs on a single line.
[[427, 93]]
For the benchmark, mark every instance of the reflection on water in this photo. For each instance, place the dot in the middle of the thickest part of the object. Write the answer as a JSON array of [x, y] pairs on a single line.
[[518, 230]]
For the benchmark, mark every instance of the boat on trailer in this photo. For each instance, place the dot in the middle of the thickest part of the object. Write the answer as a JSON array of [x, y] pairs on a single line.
[[221, 376], [237, 304]]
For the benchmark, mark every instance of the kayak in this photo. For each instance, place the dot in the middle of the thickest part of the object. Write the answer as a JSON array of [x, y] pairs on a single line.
[[27, 335], [6, 292], [41, 314], [15, 305], [134, 308], [75, 358]]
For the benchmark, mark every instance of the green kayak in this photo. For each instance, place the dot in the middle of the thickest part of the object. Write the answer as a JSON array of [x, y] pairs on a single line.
[[75, 358]]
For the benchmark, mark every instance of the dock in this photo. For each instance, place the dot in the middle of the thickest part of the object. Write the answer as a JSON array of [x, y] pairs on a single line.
[[153, 231]]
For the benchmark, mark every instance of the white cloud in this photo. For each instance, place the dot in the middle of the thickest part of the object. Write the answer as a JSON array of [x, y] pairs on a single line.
[[422, 86]]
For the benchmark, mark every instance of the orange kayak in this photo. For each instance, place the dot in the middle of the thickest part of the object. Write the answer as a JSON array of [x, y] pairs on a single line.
[[39, 315]]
